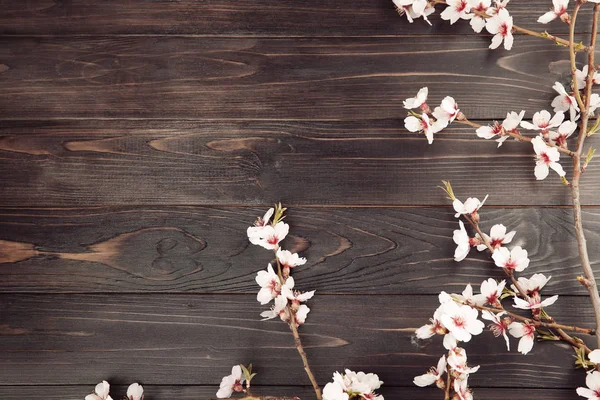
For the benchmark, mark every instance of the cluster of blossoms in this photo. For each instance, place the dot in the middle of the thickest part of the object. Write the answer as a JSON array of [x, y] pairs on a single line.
[[352, 385], [135, 391]]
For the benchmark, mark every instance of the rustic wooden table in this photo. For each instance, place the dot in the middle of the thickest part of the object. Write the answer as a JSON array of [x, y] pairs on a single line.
[[140, 138]]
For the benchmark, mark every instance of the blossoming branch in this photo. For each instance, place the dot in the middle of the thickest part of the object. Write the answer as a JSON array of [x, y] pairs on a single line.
[[549, 134]]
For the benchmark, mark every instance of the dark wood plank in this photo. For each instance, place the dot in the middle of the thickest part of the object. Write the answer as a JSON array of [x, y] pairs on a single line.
[[244, 17], [153, 392], [205, 250], [72, 163], [194, 339], [319, 78]]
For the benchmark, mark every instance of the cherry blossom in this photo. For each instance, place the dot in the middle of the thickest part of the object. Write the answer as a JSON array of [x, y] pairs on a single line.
[[532, 285], [414, 9], [434, 375], [462, 390], [499, 325], [423, 124], [135, 391], [301, 314], [352, 384], [559, 11], [447, 111], [565, 130], [581, 76], [594, 356], [513, 260], [295, 296], [501, 25], [270, 285], [479, 7], [420, 100], [509, 125], [436, 326], [463, 242], [594, 102], [231, 383], [268, 236], [469, 207], [278, 310], [592, 381], [100, 392], [546, 157], [461, 321], [456, 9], [543, 121], [264, 221], [288, 259], [491, 291], [457, 360], [564, 102], [497, 237], [534, 302], [524, 331]]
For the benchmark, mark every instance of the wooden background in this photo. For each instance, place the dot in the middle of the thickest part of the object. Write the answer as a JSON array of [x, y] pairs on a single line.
[[140, 138]]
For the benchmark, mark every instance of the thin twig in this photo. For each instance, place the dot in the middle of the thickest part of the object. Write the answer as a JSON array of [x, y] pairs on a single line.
[[572, 55]]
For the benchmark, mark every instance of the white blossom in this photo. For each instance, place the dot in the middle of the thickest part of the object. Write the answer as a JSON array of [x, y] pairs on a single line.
[[301, 314], [469, 207], [532, 285], [352, 384], [417, 101], [513, 260], [498, 325], [594, 356], [560, 8], [268, 236], [525, 332], [509, 125], [479, 7], [270, 285], [543, 121], [592, 381], [456, 9], [231, 383], [425, 125], [457, 360], [463, 242], [433, 375], [565, 130], [581, 76], [100, 392], [135, 391], [288, 259], [278, 309], [414, 9], [546, 157], [534, 303], [462, 390], [447, 111], [565, 102], [497, 237], [594, 102], [501, 25], [491, 291], [461, 321]]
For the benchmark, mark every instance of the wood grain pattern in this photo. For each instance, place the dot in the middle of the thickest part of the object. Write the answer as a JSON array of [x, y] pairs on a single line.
[[243, 17], [194, 339], [205, 250], [155, 392], [73, 163], [276, 79]]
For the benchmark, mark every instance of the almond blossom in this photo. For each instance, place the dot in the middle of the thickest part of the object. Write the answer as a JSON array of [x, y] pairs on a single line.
[[463, 242], [581, 76], [434, 375], [268, 236], [351, 384], [498, 326], [461, 321], [534, 302], [436, 326], [414, 9], [270, 285], [513, 260], [231, 383], [419, 101], [478, 8], [462, 390], [295, 296], [287, 259], [559, 11], [594, 102], [457, 360], [447, 111], [497, 237], [469, 298], [491, 291], [543, 121], [546, 157], [533, 285], [501, 25], [526, 334], [469, 207], [279, 309], [264, 221], [509, 125], [423, 124], [594, 356], [592, 381], [565, 102], [301, 314], [100, 392], [456, 9], [135, 391], [565, 130]]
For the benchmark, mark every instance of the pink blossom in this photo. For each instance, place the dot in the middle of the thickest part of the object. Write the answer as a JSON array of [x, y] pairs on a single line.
[[457, 360]]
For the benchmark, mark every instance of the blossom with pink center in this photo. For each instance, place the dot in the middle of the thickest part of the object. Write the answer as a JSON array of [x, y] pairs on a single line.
[[461, 388], [468, 297], [423, 124], [447, 111], [456, 9], [559, 11], [420, 100], [509, 125], [497, 238], [279, 309], [295, 297], [100, 392], [434, 375], [457, 360], [264, 221], [436, 326], [479, 7], [268, 236], [543, 121], [414, 9], [463, 242], [231, 383], [565, 102], [534, 303], [461, 321], [581, 76], [301, 314], [565, 130], [546, 157], [352, 385], [533, 285], [135, 391], [469, 207], [287, 259], [501, 25], [513, 260], [524, 331], [270, 285], [498, 326], [491, 291], [592, 381]]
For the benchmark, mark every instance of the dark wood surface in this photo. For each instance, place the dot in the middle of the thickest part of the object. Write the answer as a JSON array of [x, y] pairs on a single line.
[[139, 139]]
